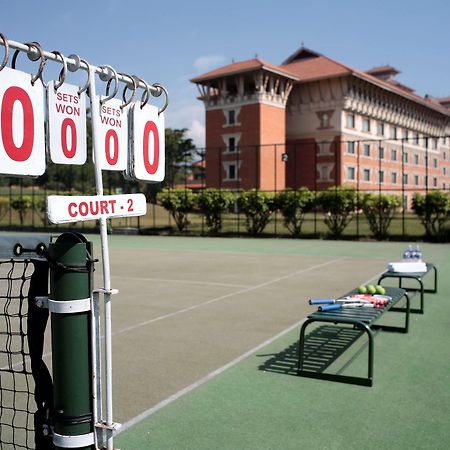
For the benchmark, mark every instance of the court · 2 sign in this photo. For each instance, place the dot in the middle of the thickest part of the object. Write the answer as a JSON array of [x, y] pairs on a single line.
[[22, 127]]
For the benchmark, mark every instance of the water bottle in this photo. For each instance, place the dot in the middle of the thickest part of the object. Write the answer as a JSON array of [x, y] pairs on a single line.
[[418, 253], [406, 254]]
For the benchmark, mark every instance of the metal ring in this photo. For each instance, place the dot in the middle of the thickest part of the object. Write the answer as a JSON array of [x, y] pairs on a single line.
[[62, 73], [6, 57], [85, 87], [135, 80], [146, 94], [108, 84], [37, 46], [166, 102]]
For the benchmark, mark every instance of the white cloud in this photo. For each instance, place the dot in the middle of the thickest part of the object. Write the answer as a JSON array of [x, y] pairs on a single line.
[[204, 63], [197, 133]]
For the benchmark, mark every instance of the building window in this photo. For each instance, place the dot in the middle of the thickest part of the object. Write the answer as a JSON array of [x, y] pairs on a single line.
[[416, 180], [405, 178], [231, 116], [405, 157], [351, 147], [405, 134], [231, 172], [325, 120], [393, 132], [231, 144], [416, 159], [381, 176], [435, 163], [380, 152], [393, 155], [416, 139], [350, 121], [366, 125], [394, 177], [444, 155], [380, 129], [366, 150], [366, 174], [350, 173], [443, 171], [434, 144], [435, 182]]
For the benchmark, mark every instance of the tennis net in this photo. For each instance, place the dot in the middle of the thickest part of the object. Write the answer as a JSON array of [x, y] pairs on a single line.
[[25, 382]]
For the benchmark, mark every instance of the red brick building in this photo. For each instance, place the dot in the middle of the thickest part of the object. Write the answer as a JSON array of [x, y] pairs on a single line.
[[316, 122]]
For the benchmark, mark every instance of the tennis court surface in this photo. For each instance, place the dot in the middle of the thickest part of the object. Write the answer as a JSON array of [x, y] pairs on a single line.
[[204, 336]]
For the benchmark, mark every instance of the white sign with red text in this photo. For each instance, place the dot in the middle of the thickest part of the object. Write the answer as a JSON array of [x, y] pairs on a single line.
[[74, 208], [22, 127], [147, 152], [66, 124], [112, 126]]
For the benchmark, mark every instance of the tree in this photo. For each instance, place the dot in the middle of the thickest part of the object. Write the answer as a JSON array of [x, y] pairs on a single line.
[[179, 152], [379, 210], [179, 202], [258, 207], [212, 202], [338, 205], [293, 206], [21, 204], [433, 210]]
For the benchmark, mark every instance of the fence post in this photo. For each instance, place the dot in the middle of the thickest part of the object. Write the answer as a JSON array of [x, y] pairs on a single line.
[[69, 302]]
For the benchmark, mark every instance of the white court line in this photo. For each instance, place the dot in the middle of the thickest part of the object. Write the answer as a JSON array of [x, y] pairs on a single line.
[[135, 420], [222, 297], [165, 280]]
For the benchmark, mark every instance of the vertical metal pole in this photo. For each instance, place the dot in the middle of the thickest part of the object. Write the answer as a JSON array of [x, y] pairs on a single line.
[[72, 387], [95, 114]]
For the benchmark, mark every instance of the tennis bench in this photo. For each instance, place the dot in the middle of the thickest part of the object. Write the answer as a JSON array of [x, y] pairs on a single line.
[[361, 318], [417, 276]]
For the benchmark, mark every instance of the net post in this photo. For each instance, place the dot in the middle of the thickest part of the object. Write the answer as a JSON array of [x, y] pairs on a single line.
[[70, 281]]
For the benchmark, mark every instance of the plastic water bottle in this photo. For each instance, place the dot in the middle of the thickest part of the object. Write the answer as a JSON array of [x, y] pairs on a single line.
[[407, 254], [418, 253]]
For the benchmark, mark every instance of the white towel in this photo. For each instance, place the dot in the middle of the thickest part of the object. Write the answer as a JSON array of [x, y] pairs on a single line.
[[407, 266]]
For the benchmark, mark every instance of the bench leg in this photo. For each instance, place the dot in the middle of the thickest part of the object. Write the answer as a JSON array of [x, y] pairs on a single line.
[[406, 310], [337, 377]]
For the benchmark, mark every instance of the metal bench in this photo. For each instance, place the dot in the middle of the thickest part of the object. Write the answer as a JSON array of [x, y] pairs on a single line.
[[417, 276], [361, 318]]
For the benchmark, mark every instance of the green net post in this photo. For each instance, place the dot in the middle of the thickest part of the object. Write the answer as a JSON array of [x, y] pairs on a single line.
[[70, 287]]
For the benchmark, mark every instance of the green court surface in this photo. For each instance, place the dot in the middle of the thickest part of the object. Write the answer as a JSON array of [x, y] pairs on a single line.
[[204, 346]]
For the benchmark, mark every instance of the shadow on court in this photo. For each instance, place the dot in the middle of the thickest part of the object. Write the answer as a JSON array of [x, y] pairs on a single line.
[[323, 346]]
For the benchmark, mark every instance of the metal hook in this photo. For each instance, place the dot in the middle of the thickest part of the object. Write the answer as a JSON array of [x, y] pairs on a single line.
[[146, 94], [161, 89], [135, 81], [86, 85], [41, 56], [62, 73], [109, 76], [6, 57]]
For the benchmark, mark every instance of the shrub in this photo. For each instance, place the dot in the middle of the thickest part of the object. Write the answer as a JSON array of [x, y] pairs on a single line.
[[212, 202], [293, 206], [379, 210], [257, 207], [179, 202], [21, 204], [433, 210], [338, 205]]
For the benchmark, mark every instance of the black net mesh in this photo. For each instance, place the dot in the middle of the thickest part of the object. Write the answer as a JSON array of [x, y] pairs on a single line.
[[23, 404]]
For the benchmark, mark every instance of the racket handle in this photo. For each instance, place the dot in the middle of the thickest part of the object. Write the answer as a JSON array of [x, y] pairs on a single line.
[[330, 307], [321, 301]]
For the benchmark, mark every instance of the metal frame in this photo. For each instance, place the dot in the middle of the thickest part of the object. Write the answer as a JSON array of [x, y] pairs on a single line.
[[417, 277], [106, 74], [365, 323]]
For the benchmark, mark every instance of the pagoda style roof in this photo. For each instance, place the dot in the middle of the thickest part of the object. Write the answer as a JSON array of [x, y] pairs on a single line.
[[249, 65]]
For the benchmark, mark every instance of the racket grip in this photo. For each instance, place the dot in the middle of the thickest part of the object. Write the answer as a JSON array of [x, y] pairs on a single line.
[[321, 301], [330, 307]]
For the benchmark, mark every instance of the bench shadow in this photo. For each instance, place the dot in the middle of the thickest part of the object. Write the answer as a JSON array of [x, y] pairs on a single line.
[[323, 346]]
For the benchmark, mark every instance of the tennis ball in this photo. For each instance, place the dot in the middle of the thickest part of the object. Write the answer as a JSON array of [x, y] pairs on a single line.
[[380, 289], [371, 289], [362, 289]]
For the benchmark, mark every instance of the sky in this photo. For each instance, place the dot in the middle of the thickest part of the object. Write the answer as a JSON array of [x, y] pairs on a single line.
[[172, 41]]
